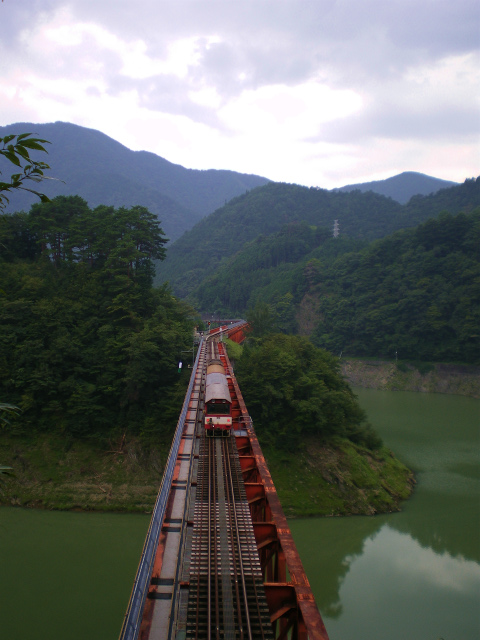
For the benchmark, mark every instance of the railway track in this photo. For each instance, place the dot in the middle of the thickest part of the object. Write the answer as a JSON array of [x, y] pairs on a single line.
[[226, 594], [200, 575]]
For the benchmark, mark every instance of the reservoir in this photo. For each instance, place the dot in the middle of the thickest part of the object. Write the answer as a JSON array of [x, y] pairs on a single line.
[[413, 574]]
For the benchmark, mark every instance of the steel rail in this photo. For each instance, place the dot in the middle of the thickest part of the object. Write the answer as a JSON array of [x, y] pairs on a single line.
[[234, 555], [198, 549], [211, 489], [234, 526], [216, 547], [234, 471], [133, 616]]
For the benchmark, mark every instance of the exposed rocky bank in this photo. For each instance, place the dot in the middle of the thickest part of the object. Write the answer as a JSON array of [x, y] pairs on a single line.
[[385, 375]]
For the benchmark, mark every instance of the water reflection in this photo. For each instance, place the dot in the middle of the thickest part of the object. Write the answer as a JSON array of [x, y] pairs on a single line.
[[328, 549], [439, 437], [372, 577], [414, 574], [443, 523], [407, 591]]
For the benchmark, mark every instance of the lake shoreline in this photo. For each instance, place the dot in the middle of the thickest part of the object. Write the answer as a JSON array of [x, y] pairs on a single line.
[[387, 375], [334, 479]]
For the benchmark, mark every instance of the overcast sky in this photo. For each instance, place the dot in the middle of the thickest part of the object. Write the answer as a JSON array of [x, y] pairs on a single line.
[[322, 92]]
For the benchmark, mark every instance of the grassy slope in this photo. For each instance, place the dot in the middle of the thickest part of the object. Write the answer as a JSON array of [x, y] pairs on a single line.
[[458, 379], [53, 474], [339, 479], [336, 480]]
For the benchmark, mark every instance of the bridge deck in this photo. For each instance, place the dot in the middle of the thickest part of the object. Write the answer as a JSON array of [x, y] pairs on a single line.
[[218, 550]]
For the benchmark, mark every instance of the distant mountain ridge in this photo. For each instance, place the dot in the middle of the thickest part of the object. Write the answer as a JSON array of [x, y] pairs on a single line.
[[403, 186], [201, 251], [103, 171]]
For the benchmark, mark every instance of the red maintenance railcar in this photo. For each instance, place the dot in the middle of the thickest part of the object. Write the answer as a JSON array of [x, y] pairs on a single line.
[[218, 402]]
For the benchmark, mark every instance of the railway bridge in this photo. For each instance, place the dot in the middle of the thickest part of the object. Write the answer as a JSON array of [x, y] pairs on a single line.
[[219, 561]]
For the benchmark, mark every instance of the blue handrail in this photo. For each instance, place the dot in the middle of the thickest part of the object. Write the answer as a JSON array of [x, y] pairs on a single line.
[[133, 616]]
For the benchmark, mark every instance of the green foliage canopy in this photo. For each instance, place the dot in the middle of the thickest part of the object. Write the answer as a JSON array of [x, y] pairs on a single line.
[[86, 344], [416, 293], [294, 389], [263, 211]]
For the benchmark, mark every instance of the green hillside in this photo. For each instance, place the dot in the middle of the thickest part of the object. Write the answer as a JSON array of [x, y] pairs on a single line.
[[415, 294], [269, 269], [412, 295], [200, 252]]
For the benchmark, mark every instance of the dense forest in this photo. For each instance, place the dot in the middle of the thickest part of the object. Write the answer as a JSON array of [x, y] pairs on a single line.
[[266, 269], [200, 252], [89, 349], [294, 390], [414, 294], [87, 346]]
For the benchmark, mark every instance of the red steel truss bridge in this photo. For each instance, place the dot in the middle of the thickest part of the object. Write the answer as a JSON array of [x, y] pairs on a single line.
[[219, 561]]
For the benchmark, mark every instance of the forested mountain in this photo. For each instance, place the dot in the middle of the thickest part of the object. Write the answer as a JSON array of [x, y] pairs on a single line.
[[103, 171], [212, 243], [412, 295], [87, 346], [267, 269], [415, 294], [402, 187]]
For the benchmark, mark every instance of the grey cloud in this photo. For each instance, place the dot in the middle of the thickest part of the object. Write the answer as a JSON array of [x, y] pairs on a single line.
[[168, 94], [233, 68], [351, 38], [346, 43], [15, 17], [289, 41], [397, 122]]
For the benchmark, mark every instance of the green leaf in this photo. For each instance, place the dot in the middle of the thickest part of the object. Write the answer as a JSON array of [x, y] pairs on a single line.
[[12, 157], [42, 196], [22, 136], [7, 471], [32, 144], [22, 152], [7, 139]]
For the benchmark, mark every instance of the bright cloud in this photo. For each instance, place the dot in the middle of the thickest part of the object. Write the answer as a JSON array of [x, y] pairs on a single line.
[[324, 93]]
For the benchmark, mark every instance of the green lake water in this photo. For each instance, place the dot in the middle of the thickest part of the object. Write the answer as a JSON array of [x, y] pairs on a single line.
[[66, 576], [415, 574], [412, 575]]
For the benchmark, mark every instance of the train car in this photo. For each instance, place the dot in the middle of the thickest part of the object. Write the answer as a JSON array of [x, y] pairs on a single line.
[[218, 403]]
